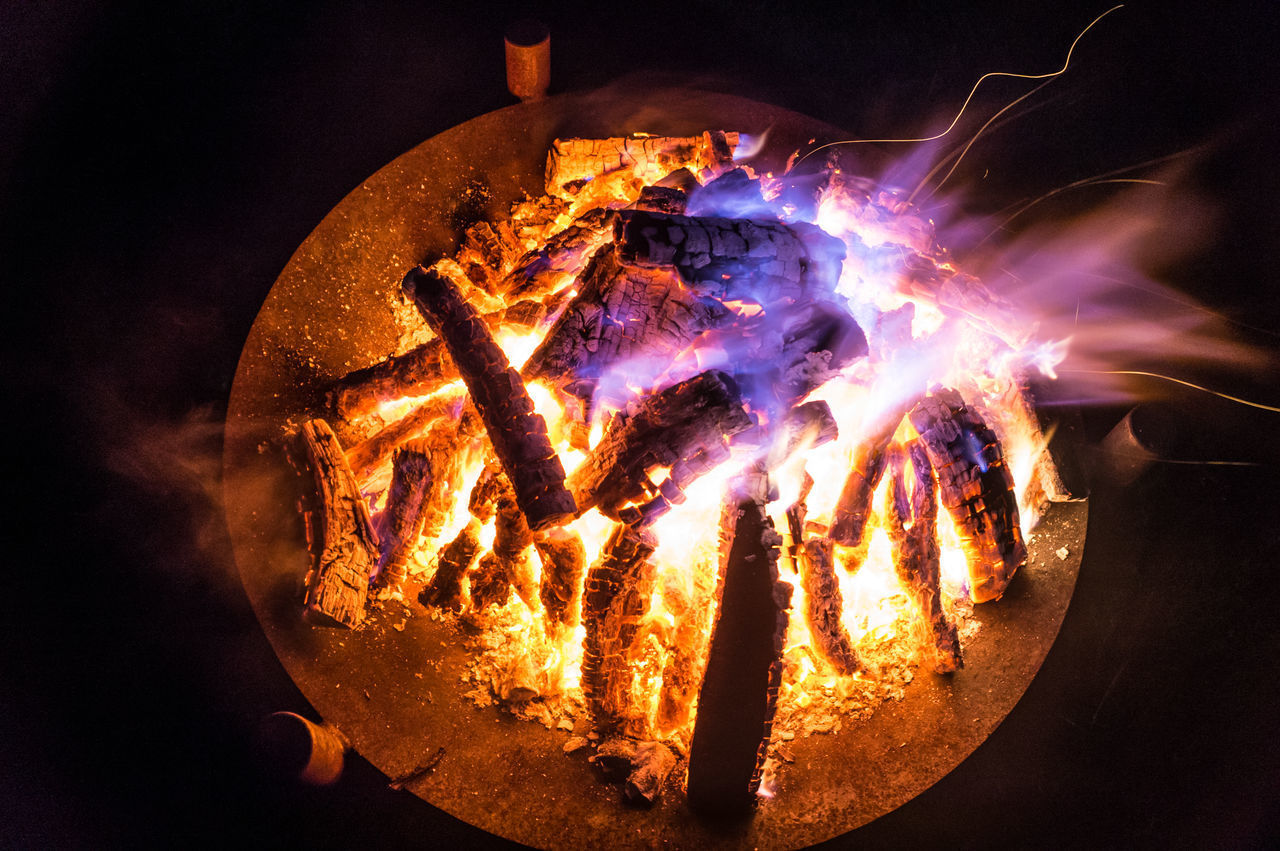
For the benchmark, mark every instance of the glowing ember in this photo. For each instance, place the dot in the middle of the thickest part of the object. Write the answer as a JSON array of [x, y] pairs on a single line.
[[715, 355]]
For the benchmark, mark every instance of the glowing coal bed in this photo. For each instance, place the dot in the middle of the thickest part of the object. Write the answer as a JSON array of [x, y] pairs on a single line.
[[794, 468]]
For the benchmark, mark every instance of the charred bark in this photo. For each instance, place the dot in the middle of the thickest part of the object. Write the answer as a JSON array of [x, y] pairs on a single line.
[[417, 372], [555, 264], [911, 515], [693, 416], [618, 589], [976, 487], [518, 434], [620, 313], [564, 563], [853, 507], [744, 665], [573, 163], [400, 523], [340, 535], [762, 261], [683, 672], [367, 456], [444, 591], [824, 604]]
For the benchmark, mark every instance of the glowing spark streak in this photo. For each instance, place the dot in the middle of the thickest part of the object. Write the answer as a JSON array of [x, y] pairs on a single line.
[[1229, 398], [972, 92], [969, 145]]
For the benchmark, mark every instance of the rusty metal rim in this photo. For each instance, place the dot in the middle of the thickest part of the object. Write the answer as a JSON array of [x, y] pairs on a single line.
[[397, 694]]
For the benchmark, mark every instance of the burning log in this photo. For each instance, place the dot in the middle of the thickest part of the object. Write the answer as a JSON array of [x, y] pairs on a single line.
[[620, 312], [683, 672], [976, 487], [824, 604], [744, 665], [573, 163], [417, 372], [366, 457], [511, 542], [796, 513], [697, 414], [735, 190], [661, 199], [490, 583], [616, 598], [400, 524], [340, 535], [564, 561], [519, 436], [763, 261], [444, 591], [853, 508], [911, 512], [548, 268], [804, 427]]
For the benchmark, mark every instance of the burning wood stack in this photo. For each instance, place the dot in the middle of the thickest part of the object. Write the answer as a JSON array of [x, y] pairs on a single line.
[[678, 347]]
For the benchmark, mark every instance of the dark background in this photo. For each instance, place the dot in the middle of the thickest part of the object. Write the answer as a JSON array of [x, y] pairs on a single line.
[[161, 162]]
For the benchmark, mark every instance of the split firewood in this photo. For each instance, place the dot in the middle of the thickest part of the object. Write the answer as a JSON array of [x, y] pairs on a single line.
[[400, 523], [444, 591], [976, 487], [682, 673], [651, 766], [490, 583], [511, 542], [558, 261], [487, 254], [796, 514], [367, 456], [665, 428], [824, 605], [911, 514], [661, 199], [340, 534], [620, 313], [739, 690], [564, 563], [518, 434], [573, 163], [491, 483], [417, 372], [758, 260], [853, 507], [618, 589]]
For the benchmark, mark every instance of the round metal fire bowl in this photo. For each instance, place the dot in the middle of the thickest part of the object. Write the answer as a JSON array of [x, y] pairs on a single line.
[[397, 694]]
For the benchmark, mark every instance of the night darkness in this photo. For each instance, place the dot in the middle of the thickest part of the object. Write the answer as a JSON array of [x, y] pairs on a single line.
[[159, 164]]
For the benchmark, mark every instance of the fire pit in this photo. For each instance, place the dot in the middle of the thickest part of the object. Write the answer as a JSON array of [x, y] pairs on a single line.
[[398, 687]]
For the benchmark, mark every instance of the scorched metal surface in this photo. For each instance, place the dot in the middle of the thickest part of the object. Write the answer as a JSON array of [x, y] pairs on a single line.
[[397, 694]]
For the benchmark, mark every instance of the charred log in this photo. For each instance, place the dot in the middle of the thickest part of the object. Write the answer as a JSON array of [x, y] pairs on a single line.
[[483, 501], [618, 589], [911, 514], [976, 487], [804, 427], [511, 542], [661, 199], [400, 524], [572, 163], [796, 514], [444, 591], [340, 535], [853, 507], [490, 583], [367, 456], [734, 193], [668, 427], [824, 605], [559, 261], [564, 562], [744, 665], [683, 672], [762, 261], [417, 372], [518, 434], [620, 312]]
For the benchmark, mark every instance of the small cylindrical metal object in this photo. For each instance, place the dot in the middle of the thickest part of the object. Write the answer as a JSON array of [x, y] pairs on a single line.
[[1132, 446], [528, 59], [312, 752]]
